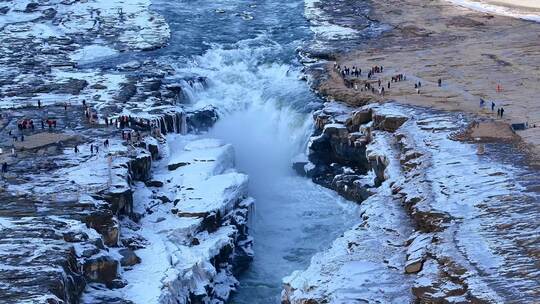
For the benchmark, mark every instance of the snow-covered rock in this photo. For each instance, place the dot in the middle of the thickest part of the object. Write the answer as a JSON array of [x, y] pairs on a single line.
[[196, 235]]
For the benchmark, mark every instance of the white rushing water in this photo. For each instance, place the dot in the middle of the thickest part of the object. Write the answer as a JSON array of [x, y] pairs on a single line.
[[263, 115]]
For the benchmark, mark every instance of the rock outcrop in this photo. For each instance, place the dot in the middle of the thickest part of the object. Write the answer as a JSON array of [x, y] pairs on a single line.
[[337, 155], [202, 226], [424, 231]]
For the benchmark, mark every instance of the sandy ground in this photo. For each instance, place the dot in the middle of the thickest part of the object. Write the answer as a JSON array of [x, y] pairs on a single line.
[[515, 3], [41, 140], [471, 52]]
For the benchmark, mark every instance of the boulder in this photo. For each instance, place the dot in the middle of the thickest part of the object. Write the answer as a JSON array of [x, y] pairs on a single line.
[[350, 186], [31, 7], [388, 122], [153, 183], [357, 119], [129, 258], [75, 237], [417, 251], [176, 165], [104, 222], [103, 269], [202, 119], [140, 166], [120, 197], [299, 164]]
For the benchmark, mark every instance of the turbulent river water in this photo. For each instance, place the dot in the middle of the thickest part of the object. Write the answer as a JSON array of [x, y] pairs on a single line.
[[246, 51]]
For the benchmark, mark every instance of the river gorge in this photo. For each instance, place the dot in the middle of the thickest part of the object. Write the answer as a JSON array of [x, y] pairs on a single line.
[[204, 154]]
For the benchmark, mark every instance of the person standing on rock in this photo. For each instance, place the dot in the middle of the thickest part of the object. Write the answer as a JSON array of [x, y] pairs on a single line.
[[492, 106], [91, 149], [39, 104], [76, 149], [439, 82], [106, 143], [4, 167], [502, 112]]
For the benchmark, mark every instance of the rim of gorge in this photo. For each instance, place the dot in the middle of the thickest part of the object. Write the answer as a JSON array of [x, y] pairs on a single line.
[[317, 151]]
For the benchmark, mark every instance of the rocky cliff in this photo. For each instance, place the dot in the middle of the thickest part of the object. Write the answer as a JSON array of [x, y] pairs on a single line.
[[426, 235]]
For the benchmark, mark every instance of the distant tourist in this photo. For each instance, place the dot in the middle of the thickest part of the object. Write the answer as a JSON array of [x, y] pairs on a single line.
[[4, 167], [39, 104], [439, 82], [76, 149], [492, 106]]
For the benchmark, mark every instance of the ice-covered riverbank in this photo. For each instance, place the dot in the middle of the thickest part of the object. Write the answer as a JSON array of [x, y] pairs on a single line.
[[79, 214], [443, 226], [193, 234]]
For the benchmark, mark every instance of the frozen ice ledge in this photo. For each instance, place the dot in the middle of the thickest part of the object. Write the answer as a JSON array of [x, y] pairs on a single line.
[[438, 222]]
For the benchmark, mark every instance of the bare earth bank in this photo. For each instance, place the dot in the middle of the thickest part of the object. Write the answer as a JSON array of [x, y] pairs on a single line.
[[471, 52]]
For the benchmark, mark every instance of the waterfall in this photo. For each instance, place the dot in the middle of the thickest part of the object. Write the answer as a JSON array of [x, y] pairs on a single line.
[[183, 125], [191, 87], [265, 113]]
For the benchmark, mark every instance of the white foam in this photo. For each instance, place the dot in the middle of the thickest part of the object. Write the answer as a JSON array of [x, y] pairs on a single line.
[[321, 25]]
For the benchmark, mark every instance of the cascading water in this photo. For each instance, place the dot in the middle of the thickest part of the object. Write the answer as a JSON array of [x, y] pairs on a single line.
[[252, 77], [263, 114]]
